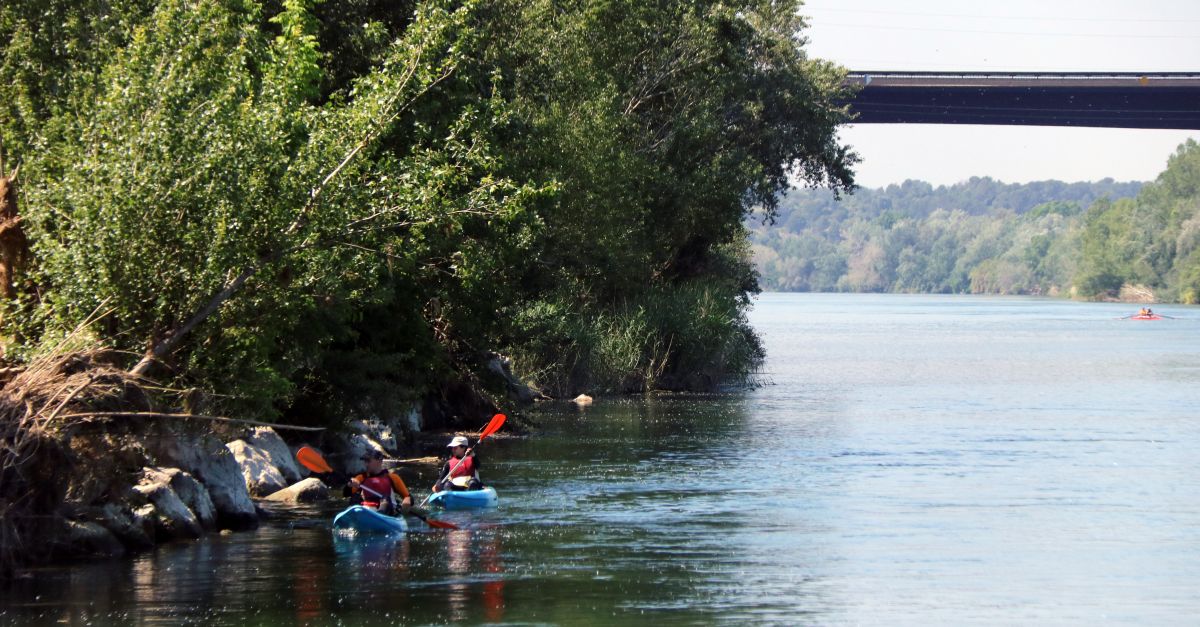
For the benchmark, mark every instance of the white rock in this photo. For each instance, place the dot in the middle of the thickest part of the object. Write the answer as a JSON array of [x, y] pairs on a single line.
[[277, 452], [357, 445], [261, 476], [307, 491], [582, 400], [208, 460], [195, 496], [172, 518]]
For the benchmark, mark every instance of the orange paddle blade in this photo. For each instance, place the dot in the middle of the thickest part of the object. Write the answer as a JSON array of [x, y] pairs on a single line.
[[312, 460], [493, 426], [438, 524]]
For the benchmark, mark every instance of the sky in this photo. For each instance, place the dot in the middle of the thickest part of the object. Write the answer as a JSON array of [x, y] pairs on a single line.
[[1013, 35]]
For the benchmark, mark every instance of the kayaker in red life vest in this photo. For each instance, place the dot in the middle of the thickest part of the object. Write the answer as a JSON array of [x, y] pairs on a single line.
[[380, 481], [461, 471]]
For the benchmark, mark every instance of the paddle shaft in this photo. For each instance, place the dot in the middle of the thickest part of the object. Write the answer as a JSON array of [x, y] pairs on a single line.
[[312, 460], [412, 511]]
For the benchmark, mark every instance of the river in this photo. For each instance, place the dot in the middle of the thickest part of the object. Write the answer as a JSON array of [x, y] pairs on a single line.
[[905, 460]]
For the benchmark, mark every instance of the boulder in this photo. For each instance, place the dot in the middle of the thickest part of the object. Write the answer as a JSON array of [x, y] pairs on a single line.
[[277, 451], [501, 367], [309, 490], [172, 518], [357, 445], [136, 532], [195, 496], [583, 400], [87, 539], [261, 476], [207, 459], [383, 435]]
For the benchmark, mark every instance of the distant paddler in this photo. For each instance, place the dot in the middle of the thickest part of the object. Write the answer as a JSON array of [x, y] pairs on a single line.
[[461, 471]]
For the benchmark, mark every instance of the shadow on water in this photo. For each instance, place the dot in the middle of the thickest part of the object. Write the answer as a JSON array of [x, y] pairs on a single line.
[[616, 512]]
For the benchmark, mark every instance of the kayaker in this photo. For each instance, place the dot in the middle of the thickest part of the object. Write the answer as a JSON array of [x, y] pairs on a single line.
[[461, 471], [1144, 311], [381, 481]]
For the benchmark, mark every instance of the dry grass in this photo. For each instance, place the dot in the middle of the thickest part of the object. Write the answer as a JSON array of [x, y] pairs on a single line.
[[40, 411]]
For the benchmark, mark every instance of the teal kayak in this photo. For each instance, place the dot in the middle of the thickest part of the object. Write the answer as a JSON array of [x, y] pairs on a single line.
[[464, 499], [367, 520]]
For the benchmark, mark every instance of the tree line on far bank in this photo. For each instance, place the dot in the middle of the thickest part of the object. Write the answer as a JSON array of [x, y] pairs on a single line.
[[1085, 240], [322, 209]]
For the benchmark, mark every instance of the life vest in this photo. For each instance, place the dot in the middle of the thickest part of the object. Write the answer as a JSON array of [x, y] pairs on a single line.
[[464, 468], [464, 476], [381, 483]]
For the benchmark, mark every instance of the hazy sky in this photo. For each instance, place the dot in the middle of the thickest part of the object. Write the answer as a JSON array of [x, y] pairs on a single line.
[[1013, 35]]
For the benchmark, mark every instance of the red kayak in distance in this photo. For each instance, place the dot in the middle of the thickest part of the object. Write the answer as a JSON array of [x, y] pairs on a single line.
[[1149, 317]]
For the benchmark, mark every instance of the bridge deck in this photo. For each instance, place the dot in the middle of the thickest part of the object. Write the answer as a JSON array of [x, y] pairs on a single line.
[[1115, 100]]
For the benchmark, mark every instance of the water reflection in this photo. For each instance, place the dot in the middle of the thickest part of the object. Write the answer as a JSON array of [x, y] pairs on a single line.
[[894, 472], [476, 568]]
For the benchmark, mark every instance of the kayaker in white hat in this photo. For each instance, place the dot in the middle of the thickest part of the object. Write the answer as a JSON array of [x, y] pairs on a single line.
[[461, 471]]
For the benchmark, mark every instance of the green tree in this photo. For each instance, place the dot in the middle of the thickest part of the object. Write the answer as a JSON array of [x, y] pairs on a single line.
[[204, 199]]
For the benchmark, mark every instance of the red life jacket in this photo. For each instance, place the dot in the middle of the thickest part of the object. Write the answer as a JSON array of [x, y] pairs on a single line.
[[381, 483], [464, 468]]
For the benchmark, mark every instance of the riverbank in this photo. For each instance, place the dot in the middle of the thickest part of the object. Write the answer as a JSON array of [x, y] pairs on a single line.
[[92, 467]]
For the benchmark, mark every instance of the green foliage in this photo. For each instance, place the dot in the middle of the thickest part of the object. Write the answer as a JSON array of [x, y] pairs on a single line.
[[890, 241], [295, 59], [201, 162], [660, 123], [1150, 240], [685, 337], [326, 207]]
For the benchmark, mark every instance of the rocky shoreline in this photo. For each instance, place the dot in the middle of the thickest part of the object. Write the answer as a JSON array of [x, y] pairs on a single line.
[[199, 484], [94, 462]]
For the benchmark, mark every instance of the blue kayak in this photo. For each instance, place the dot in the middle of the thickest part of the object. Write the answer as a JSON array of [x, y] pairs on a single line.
[[367, 520], [464, 499]]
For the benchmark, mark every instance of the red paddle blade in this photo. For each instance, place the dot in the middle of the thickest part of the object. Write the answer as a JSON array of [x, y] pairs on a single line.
[[493, 426], [440, 524], [312, 460]]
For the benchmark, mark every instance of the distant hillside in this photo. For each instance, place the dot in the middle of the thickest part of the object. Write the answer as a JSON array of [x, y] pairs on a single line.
[[980, 235], [802, 209]]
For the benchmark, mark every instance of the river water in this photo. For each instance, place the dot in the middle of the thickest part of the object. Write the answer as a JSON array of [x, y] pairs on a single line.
[[906, 460]]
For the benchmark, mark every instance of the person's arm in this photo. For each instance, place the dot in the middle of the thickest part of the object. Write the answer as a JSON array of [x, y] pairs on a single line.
[[398, 485], [351, 486], [437, 485]]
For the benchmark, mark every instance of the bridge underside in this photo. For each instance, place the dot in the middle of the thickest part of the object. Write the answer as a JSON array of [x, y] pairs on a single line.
[[1113, 101]]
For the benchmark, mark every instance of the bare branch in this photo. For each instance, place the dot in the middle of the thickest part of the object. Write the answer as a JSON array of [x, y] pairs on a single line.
[[151, 414]]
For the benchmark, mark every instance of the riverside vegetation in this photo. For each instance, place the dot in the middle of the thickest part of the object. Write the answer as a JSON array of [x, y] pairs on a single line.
[[310, 211], [1102, 240]]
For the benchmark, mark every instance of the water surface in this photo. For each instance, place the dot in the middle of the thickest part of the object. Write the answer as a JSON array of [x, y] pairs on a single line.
[[909, 459]]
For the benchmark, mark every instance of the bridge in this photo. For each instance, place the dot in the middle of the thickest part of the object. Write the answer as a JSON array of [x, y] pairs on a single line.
[[1113, 100]]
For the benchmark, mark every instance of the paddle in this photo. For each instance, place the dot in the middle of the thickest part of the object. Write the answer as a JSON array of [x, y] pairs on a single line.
[[492, 426], [312, 460]]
